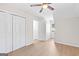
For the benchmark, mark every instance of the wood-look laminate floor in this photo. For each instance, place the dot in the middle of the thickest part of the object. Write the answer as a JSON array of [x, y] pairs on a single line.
[[46, 48]]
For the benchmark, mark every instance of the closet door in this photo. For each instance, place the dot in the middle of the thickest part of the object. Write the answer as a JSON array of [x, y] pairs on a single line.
[[5, 32], [18, 32]]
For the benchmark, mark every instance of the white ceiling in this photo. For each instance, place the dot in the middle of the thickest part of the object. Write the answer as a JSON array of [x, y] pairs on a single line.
[[61, 9], [35, 10], [25, 7]]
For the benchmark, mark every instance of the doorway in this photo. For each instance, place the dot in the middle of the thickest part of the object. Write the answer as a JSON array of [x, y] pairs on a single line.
[[35, 30]]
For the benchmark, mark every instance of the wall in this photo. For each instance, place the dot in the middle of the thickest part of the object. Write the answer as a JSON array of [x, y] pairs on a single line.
[[67, 31], [66, 23], [29, 30]]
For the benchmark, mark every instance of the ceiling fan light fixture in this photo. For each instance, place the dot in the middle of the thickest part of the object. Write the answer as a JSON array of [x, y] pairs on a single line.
[[45, 6]]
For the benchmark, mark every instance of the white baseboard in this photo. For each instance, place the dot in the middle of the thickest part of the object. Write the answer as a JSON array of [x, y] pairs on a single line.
[[28, 43], [65, 43]]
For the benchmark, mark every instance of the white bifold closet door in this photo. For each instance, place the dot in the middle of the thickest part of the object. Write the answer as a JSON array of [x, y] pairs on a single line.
[[5, 32], [18, 32]]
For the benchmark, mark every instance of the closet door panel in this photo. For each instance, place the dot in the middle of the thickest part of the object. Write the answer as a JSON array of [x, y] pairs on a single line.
[[18, 32], [8, 33], [5, 32]]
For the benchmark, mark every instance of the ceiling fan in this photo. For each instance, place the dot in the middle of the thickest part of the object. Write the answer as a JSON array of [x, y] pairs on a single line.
[[44, 6]]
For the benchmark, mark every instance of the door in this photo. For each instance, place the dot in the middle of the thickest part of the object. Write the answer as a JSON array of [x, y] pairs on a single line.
[[5, 32], [35, 29], [18, 32]]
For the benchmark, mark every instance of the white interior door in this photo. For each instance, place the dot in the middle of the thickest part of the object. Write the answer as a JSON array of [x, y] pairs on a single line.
[[35, 29], [18, 32], [5, 32]]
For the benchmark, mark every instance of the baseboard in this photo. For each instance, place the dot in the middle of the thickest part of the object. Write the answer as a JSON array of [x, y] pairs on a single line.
[[69, 44], [29, 43]]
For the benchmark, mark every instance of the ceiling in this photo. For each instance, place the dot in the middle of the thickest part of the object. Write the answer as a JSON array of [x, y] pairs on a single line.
[[25, 7], [61, 9]]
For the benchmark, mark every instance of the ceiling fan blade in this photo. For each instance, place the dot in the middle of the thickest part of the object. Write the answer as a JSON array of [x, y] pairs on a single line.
[[41, 10], [51, 8], [49, 3], [35, 5]]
